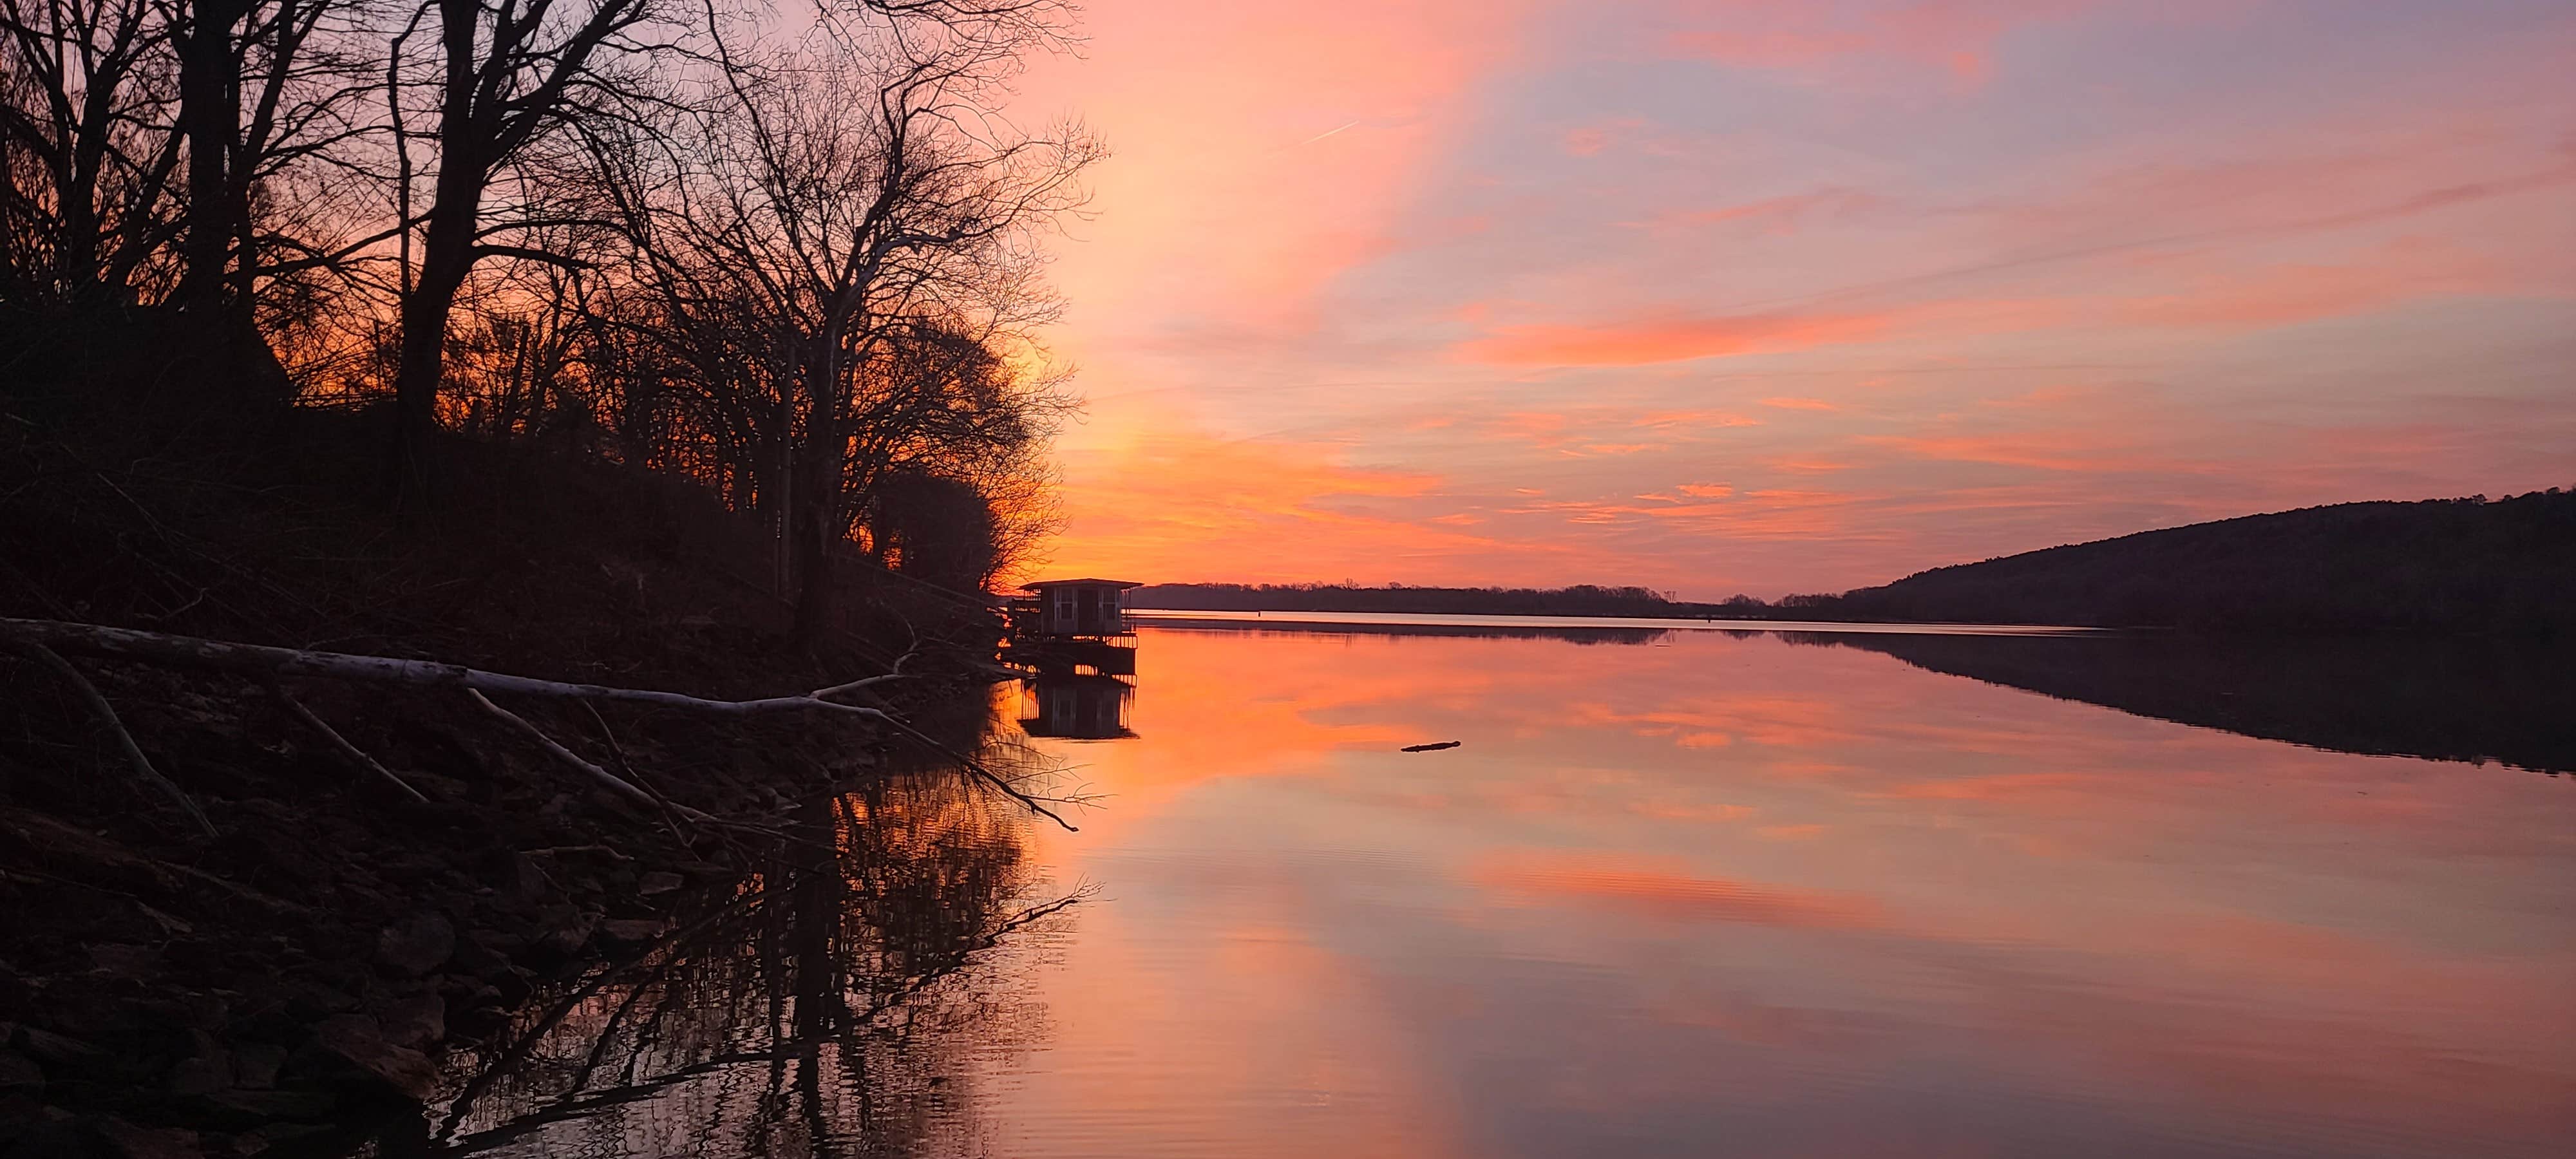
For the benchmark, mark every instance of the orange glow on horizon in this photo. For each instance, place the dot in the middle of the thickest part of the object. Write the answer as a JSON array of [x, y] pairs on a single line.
[[1432, 293]]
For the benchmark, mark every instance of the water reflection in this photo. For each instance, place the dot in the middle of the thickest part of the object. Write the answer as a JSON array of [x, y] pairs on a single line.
[[2451, 698], [2447, 698], [1076, 707], [839, 1001], [1740, 895]]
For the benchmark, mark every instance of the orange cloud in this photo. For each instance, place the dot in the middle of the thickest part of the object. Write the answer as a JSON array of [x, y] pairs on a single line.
[[1165, 505], [2039, 450], [1668, 339]]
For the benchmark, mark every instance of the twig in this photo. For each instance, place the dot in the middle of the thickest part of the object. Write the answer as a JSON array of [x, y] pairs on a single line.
[[355, 754], [893, 671], [106, 714], [976, 769], [617, 752], [615, 783]]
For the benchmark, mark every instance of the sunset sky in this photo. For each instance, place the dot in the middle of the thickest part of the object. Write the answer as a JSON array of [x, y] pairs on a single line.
[[1797, 295]]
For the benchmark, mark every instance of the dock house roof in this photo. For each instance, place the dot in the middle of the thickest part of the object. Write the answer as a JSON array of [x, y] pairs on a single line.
[[1043, 585]]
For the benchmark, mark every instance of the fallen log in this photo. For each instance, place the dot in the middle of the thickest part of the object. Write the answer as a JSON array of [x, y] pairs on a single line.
[[263, 660], [274, 663]]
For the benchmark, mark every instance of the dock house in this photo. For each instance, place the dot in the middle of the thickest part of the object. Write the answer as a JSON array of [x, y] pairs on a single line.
[[1062, 627], [1080, 608]]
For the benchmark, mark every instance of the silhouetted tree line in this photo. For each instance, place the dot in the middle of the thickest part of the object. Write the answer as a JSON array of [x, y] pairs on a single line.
[[1579, 600], [2470, 564], [793, 255], [2444, 564]]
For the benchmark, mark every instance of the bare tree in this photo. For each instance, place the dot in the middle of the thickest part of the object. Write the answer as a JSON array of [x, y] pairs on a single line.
[[841, 245], [86, 98], [512, 77]]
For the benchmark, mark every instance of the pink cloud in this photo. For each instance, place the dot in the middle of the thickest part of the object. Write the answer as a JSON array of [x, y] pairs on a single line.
[[1666, 339], [1958, 36], [1784, 214]]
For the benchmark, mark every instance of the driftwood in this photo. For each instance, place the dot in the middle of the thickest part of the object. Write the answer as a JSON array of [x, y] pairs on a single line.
[[106, 714], [262, 660], [42, 637]]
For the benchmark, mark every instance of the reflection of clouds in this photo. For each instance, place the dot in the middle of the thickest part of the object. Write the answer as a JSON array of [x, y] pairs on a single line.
[[1895, 898], [1668, 896]]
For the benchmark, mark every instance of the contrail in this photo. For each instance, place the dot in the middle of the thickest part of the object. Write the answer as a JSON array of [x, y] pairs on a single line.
[[1328, 132]]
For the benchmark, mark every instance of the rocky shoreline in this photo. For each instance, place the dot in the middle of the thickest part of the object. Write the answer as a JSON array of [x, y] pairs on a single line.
[[286, 985]]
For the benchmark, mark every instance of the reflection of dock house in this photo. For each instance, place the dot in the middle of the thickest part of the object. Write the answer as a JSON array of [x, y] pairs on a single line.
[[1077, 707], [1065, 627]]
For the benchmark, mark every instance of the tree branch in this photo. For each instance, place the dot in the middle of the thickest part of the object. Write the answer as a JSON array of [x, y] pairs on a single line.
[[106, 714], [356, 755]]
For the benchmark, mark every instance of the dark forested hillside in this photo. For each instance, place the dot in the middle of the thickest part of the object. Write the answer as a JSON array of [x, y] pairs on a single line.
[[2462, 564], [2505, 565]]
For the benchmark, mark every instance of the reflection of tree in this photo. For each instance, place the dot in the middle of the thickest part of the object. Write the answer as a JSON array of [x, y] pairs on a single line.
[[2453, 698], [1576, 635], [825, 1007]]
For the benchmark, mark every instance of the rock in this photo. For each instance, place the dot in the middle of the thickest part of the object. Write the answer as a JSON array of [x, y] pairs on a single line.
[[203, 1073], [417, 946], [415, 1021], [308, 1002], [633, 930], [354, 1050], [127, 1141], [125, 961], [17, 1070], [52, 1135], [564, 930], [285, 1138], [657, 883], [251, 1108], [59, 1050], [255, 1064]]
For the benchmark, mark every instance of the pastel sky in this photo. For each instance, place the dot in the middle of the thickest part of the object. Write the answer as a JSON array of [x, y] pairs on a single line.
[[1798, 295]]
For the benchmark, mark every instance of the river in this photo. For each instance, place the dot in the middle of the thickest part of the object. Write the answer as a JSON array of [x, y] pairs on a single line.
[[1677, 891]]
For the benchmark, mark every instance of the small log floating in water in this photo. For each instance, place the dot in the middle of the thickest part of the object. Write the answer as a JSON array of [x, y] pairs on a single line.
[[1430, 748]]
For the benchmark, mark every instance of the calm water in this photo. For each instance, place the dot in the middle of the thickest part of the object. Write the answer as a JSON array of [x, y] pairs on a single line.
[[1677, 893]]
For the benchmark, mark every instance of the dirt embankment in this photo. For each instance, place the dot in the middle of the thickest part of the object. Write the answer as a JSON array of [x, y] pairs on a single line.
[[167, 993]]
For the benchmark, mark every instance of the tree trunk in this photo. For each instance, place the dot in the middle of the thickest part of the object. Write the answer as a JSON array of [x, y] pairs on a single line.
[[447, 255], [423, 364], [815, 498], [210, 119]]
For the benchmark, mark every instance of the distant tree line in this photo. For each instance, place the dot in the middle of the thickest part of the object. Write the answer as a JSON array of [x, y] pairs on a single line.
[[793, 255], [2471, 564], [2447, 564], [1579, 600]]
